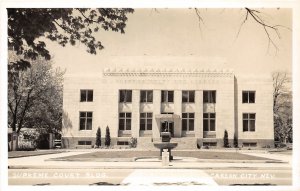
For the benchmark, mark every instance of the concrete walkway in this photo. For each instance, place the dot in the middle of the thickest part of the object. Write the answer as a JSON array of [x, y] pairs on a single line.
[[42, 161]]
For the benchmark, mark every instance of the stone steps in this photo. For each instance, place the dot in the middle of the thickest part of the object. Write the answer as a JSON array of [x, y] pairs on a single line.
[[185, 143]]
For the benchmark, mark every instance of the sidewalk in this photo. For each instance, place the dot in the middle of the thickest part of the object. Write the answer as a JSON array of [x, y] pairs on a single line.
[[43, 162]]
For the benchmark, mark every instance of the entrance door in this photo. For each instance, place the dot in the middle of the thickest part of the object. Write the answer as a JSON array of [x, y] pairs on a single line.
[[167, 126]]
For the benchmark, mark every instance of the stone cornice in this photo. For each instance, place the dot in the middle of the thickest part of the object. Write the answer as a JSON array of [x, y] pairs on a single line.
[[167, 72]]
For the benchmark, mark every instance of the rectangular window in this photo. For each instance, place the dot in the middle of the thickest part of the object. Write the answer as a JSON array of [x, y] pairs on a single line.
[[122, 143], [248, 96], [209, 96], [209, 121], [250, 144], [188, 96], [124, 121], [146, 96], [248, 121], [145, 121], [188, 121], [84, 142], [86, 119], [125, 96], [86, 95], [167, 96], [210, 144]]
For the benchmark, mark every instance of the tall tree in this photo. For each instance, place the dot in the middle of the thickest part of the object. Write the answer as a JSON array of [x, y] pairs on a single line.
[[282, 107], [225, 139], [34, 94], [63, 25], [98, 137], [107, 137]]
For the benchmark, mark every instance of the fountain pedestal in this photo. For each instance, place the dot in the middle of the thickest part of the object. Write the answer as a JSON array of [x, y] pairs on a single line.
[[165, 145]]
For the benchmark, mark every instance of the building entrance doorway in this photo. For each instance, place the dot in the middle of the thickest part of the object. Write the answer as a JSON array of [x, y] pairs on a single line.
[[167, 126]]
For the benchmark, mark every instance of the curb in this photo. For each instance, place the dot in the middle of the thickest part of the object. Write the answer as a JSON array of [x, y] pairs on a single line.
[[37, 154]]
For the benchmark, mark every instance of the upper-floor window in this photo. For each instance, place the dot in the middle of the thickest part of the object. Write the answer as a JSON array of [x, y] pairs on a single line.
[[124, 121], [209, 96], [86, 95], [188, 121], [146, 96], [167, 96], [248, 121], [248, 96], [145, 121], [125, 96], [188, 96], [209, 121], [86, 119]]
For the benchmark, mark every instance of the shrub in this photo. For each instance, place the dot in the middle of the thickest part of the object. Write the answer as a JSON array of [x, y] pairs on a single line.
[[107, 137], [98, 138], [225, 139], [26, 146], [133, 142]]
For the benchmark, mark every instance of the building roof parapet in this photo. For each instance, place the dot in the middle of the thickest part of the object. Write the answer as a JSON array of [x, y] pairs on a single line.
[[167, 72]]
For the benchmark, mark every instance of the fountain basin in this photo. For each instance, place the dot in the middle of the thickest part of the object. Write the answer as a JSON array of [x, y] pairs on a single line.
[[165, 145]]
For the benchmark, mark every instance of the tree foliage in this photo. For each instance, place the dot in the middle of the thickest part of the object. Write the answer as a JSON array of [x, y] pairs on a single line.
[[282, 107], [107, 137], [64, 26], [98, 137], [225, 139], [34, 94]]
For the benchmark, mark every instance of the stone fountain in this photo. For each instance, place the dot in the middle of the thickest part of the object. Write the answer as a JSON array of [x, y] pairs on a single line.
[[165, 144]]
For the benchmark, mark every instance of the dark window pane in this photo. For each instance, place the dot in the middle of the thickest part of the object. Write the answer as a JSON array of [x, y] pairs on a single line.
[[89, 124], [205, 125], [143, 121], [82, 124], [143, 96], [191, 124], [82, 114], [143, 115], [149, 124], [150, 96], [89, 114], [128, 115], [128, 124], [245, 125], [184, 115], [149, 115], [245, 116], [128, 95], [184, 125], [205, 97], [192, 96], [245, 97], [163, 96], [90, 95], [121, 114], [122, 95], [142, 124], [252, 115], [191, 115], [213, 97], [82, 95], [212, 115], [252, 125], [170, 96], [205, 115], [212, 125], [121, 124], [251, 97], [184, 96]]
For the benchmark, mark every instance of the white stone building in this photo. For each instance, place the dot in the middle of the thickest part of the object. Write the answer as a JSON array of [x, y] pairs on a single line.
[[195, 103]]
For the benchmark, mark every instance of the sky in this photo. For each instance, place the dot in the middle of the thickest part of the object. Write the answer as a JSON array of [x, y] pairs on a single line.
[[177, 33]]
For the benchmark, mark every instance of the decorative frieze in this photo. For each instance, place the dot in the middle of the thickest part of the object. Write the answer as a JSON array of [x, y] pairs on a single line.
[[167, 72]]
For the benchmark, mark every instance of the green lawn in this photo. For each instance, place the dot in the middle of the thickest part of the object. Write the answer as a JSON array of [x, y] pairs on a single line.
[[131, 154], [16, 154]]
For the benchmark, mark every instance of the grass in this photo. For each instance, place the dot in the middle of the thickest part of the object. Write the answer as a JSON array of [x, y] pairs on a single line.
[[17, 154], [194, 154]]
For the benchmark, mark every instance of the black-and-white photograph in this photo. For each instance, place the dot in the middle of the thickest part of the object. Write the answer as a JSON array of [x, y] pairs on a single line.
[[157, 97]]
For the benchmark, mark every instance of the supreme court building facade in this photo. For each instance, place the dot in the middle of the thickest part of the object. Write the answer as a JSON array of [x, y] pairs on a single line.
[[196, 105]]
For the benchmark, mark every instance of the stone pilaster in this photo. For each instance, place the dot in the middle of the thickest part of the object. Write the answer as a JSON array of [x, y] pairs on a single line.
[[199, 114], [135, 115], [156, 111], [177, 111]]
